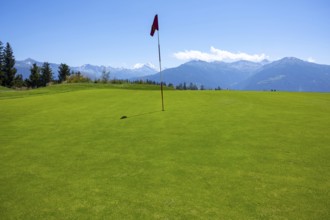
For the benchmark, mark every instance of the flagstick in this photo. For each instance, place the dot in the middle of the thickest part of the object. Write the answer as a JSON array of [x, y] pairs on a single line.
[[160, 72]]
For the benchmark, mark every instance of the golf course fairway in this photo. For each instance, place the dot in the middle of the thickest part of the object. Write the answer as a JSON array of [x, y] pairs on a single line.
[[65, 153]]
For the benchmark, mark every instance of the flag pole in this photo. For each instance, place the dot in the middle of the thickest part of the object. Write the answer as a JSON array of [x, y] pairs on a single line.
[[160, 72], [154, 28]]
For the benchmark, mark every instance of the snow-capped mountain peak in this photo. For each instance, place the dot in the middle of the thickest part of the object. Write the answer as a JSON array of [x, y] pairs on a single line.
[[92, 71], [29, 61], [144, 65]]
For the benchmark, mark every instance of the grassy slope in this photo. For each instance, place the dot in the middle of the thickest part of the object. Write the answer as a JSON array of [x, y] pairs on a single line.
[[222, 155], [63, 88], [3, 88]]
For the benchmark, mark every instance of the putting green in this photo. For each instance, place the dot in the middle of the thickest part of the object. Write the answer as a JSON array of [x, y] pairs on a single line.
[[66, 154]]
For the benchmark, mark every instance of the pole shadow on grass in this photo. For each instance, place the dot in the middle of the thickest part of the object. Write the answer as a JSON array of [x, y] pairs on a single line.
[[138, 115]]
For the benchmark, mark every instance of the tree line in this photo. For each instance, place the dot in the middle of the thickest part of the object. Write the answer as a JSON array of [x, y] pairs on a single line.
[[41, 76], [192, 86], [8, 76]]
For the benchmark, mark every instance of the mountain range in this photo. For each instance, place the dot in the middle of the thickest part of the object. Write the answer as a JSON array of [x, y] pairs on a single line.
[[287, 74], [91, 71]]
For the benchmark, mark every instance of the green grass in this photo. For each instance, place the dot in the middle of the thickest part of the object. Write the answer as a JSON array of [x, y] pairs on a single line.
[[65, 154], [63, 88], [3, 88]]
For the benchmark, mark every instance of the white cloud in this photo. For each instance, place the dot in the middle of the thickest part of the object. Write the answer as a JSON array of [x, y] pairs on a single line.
[[311, 60], [218, 55]]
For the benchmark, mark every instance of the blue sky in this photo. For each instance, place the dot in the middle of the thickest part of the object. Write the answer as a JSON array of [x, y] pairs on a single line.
[[116, 32]]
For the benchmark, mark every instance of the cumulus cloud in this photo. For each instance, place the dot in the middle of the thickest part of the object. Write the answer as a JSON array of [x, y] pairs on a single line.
[[218, 55]]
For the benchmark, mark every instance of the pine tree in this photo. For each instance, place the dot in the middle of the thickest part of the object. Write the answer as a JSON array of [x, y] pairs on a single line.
[[46, 74], [63, 72], [34, 79], [105, 77], [9, 71], [1, 64], [184, 86], [18, 81]]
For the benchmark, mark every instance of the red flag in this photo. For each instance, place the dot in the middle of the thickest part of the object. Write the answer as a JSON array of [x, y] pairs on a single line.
[[154, 26]]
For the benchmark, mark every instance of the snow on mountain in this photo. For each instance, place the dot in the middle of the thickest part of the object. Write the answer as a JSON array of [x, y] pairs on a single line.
[[23, 67], [209, 74], [291, 74], [287, 74], [145, 65], [91, 71]]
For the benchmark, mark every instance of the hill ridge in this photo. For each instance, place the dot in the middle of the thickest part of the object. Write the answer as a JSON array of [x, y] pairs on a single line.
[[287, 74]]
